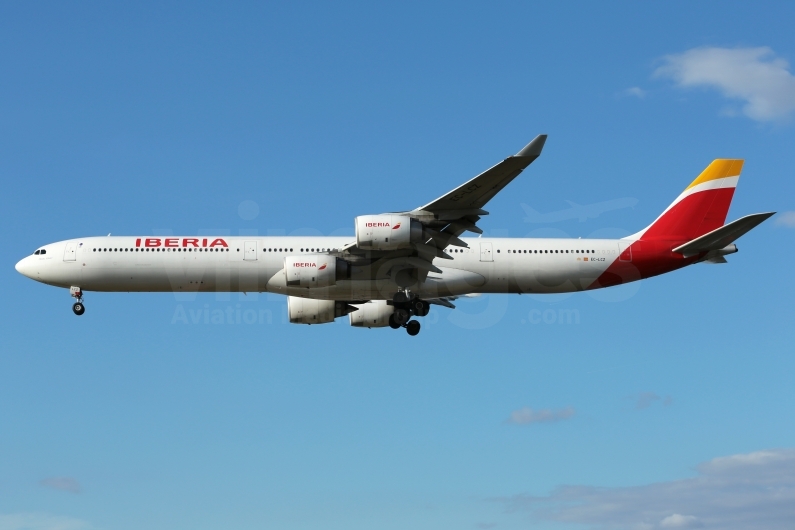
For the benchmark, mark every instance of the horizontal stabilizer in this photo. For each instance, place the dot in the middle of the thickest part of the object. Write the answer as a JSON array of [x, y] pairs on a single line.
[[723, 236]]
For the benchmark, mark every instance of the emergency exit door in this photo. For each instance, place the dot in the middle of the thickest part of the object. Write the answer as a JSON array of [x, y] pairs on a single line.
[[250, 250], [69, 252], [485, 252], [625, 251]]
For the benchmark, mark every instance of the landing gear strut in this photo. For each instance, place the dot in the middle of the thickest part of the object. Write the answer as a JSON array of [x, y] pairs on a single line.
[[78, 306], [405, 307]]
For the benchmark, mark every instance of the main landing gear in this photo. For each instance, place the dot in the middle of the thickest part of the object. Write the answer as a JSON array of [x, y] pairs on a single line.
[[405, 307], [78, 308]]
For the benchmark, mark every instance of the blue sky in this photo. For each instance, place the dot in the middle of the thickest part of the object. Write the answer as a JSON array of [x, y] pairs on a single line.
[[579, 411]]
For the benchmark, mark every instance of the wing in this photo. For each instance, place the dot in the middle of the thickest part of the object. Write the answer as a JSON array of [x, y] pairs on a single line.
[[469, 198], [459, 210], [447, 217]]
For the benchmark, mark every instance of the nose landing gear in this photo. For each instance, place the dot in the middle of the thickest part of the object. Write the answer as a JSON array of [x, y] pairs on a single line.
[[78, 308], [405, 307]]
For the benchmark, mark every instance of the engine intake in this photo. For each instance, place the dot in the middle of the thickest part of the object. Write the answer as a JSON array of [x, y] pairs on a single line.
[[387, 232], [309, 311], [315, 270]]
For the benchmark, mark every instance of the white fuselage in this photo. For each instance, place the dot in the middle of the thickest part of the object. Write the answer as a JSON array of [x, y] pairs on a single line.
[[256, 264]]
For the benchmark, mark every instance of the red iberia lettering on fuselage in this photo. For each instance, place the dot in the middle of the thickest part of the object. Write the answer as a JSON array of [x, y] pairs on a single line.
[[175, 242]]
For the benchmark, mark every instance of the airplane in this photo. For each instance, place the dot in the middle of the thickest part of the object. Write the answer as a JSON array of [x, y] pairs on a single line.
[[578, 211], [400, 263]]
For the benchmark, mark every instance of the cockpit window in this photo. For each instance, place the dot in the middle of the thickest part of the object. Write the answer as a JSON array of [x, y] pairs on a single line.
[[43, 251], [36, 253], [39, 252]]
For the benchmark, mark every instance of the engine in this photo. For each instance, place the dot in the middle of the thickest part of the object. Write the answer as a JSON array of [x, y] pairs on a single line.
[[309, 311], [373, 314], [315, 270], [387, 232]]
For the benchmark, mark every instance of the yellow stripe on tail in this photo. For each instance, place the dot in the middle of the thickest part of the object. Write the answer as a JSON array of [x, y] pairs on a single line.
[[718, 169]]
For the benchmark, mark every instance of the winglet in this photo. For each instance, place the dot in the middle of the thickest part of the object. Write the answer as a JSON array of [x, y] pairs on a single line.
[[533, 148]]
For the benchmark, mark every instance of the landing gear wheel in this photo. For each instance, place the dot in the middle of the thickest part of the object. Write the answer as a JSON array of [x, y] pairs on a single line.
[[400, 297], [417, 306], [392, 323], [423, 310], [79, 308], [413, 327], [400, 317]]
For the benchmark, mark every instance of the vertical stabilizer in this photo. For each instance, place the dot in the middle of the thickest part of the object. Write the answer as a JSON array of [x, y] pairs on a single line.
[[701, 208]]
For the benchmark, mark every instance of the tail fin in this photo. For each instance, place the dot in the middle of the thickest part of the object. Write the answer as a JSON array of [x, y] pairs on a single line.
[[701, 208]]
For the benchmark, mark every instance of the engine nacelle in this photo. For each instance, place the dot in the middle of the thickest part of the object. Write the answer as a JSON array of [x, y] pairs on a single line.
[[373, 314], [315, 270], [309, 311], [387, 232]]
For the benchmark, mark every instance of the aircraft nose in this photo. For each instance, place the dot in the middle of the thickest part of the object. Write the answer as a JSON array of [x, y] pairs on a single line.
[[23, 267]]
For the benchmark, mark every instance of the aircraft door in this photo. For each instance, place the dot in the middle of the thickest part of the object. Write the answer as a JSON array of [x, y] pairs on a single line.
[[624, 251], [69, 252], [485, 252], [250, 250]]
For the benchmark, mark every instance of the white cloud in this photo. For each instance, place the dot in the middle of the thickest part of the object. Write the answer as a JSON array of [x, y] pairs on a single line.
[[526, 415], [754, 76], [634, 91], [740, 492], [61, 483], [786, 219], [680, 521], [39, 521]]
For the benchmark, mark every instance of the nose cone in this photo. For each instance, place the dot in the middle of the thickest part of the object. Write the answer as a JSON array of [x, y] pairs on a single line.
[[24, 267]]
